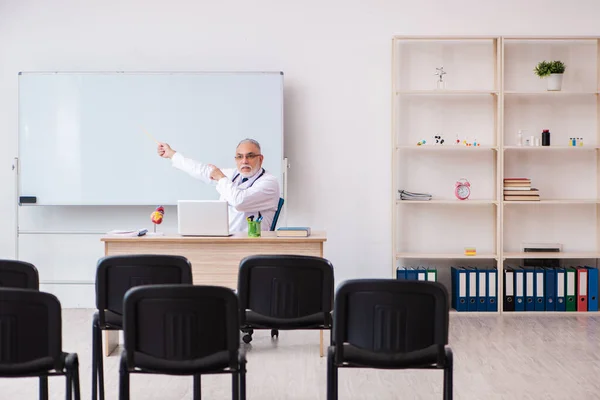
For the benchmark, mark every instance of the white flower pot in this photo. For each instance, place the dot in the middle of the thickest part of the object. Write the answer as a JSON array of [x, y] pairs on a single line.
[[555, 81]]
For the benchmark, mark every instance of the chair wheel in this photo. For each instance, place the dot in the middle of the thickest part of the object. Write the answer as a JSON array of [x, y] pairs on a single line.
[[247, 338], [274, 333]]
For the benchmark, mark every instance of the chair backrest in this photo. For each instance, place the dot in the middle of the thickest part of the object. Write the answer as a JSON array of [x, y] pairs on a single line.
[[180, 323], [30, 328], [117, 274], [391, 316], [18, 274], [276, 216], [286, 286]]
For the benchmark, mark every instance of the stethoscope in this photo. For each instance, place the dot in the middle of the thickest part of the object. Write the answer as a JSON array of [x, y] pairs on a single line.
[[238, 174]]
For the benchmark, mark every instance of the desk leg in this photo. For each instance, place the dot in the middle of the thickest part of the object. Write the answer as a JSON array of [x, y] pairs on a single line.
[[111, 341], [321, 347]]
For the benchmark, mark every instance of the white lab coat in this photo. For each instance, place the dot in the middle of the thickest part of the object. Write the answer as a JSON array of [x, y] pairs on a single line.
[[245, 199]]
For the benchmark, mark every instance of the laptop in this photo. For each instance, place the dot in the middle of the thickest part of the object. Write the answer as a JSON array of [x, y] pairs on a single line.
[[203, 218]]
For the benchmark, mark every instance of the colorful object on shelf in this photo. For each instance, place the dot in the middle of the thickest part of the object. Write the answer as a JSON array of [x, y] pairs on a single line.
[[421, 142], [157, 216], [470, 251], [457, 140], [462, 189]]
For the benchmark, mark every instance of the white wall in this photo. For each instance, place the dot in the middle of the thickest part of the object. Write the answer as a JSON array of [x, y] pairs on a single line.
[[336, 56]]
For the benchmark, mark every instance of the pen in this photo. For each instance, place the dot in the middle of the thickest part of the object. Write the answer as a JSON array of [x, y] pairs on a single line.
[[142, 232]]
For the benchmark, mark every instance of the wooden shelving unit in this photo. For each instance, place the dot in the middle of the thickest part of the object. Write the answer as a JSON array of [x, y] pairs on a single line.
[[490, 94]]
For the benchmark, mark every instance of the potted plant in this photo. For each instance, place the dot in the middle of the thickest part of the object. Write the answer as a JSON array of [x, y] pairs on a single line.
[[553, 70]]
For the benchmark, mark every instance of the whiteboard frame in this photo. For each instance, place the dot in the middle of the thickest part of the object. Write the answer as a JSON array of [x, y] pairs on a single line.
[[16, 161]]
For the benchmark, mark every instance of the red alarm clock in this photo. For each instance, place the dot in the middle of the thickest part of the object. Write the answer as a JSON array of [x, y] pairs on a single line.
[[462, 189]]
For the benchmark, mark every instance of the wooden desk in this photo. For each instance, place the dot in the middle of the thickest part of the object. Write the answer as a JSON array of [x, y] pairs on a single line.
[[215, 260]]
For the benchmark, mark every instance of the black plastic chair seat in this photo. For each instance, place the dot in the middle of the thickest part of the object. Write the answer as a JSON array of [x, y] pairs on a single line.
[[30, 367], [216, 361], [427, 357], [316, 321], [111, 320]]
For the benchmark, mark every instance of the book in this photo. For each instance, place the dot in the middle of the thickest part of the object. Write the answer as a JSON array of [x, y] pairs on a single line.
[[406, 195], [297, 231], [519, 192], [524, 188], [522, 198]]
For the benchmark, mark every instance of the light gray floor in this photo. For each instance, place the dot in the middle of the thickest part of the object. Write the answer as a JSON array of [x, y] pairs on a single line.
[[509, 357]]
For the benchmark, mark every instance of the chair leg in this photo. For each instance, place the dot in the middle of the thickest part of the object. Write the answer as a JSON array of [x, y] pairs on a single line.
[[72, 372], [197, 387], [69, 387], [242, 377], [97, 362], [123, 379], [331, 375], [43, 388], [235, 385], [448, 374]]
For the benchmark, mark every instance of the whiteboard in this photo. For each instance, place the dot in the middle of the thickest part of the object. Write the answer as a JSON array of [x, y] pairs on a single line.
[[82, 140]]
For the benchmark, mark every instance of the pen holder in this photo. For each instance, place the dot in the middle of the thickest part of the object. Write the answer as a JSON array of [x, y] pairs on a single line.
[[253, 229]]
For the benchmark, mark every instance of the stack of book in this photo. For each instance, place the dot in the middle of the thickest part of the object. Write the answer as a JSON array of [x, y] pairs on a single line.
[[406, 195], [519, 189]]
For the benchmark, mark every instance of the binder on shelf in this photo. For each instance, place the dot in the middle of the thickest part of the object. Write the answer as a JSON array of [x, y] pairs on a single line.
[[570, 294], [508, 302], [561, 287], [592, 288], [519, 289], [411, 274], [432, 274], [550, 289], [540, 300], [529, 290], [459, 289], [421, 274], [582, 289], [492, 290], [472, 285], [482, 290], [401, 273]]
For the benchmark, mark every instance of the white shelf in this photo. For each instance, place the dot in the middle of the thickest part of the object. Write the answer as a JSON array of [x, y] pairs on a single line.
[[520, 102], [555, 201], [468, 202], [450, 256], [438, 92], [550, 148], [559, 255], [550, 93], [446, 147]]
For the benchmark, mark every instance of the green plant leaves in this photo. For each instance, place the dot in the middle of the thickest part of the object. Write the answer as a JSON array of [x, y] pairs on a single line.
[[545, 68]]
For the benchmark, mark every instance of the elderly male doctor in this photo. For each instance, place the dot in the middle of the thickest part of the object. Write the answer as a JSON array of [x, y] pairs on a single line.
[[248, 189]]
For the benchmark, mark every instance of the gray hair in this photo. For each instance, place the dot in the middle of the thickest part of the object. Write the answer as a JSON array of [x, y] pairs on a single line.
[[254, 142]]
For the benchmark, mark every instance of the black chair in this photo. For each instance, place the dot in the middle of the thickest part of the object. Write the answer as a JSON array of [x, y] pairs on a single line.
[[114, 276], [285, 292], [18, 274], [31, 340], [182, 330], [390, 324]]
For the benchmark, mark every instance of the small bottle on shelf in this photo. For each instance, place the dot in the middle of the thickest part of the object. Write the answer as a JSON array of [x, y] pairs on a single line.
[[546, 137], [520, 138], [581, 141]]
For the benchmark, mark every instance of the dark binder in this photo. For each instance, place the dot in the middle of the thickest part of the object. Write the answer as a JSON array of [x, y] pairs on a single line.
[[508, 303]]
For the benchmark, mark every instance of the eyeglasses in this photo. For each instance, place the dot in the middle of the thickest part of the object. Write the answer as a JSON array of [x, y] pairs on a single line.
[[249, 156]]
